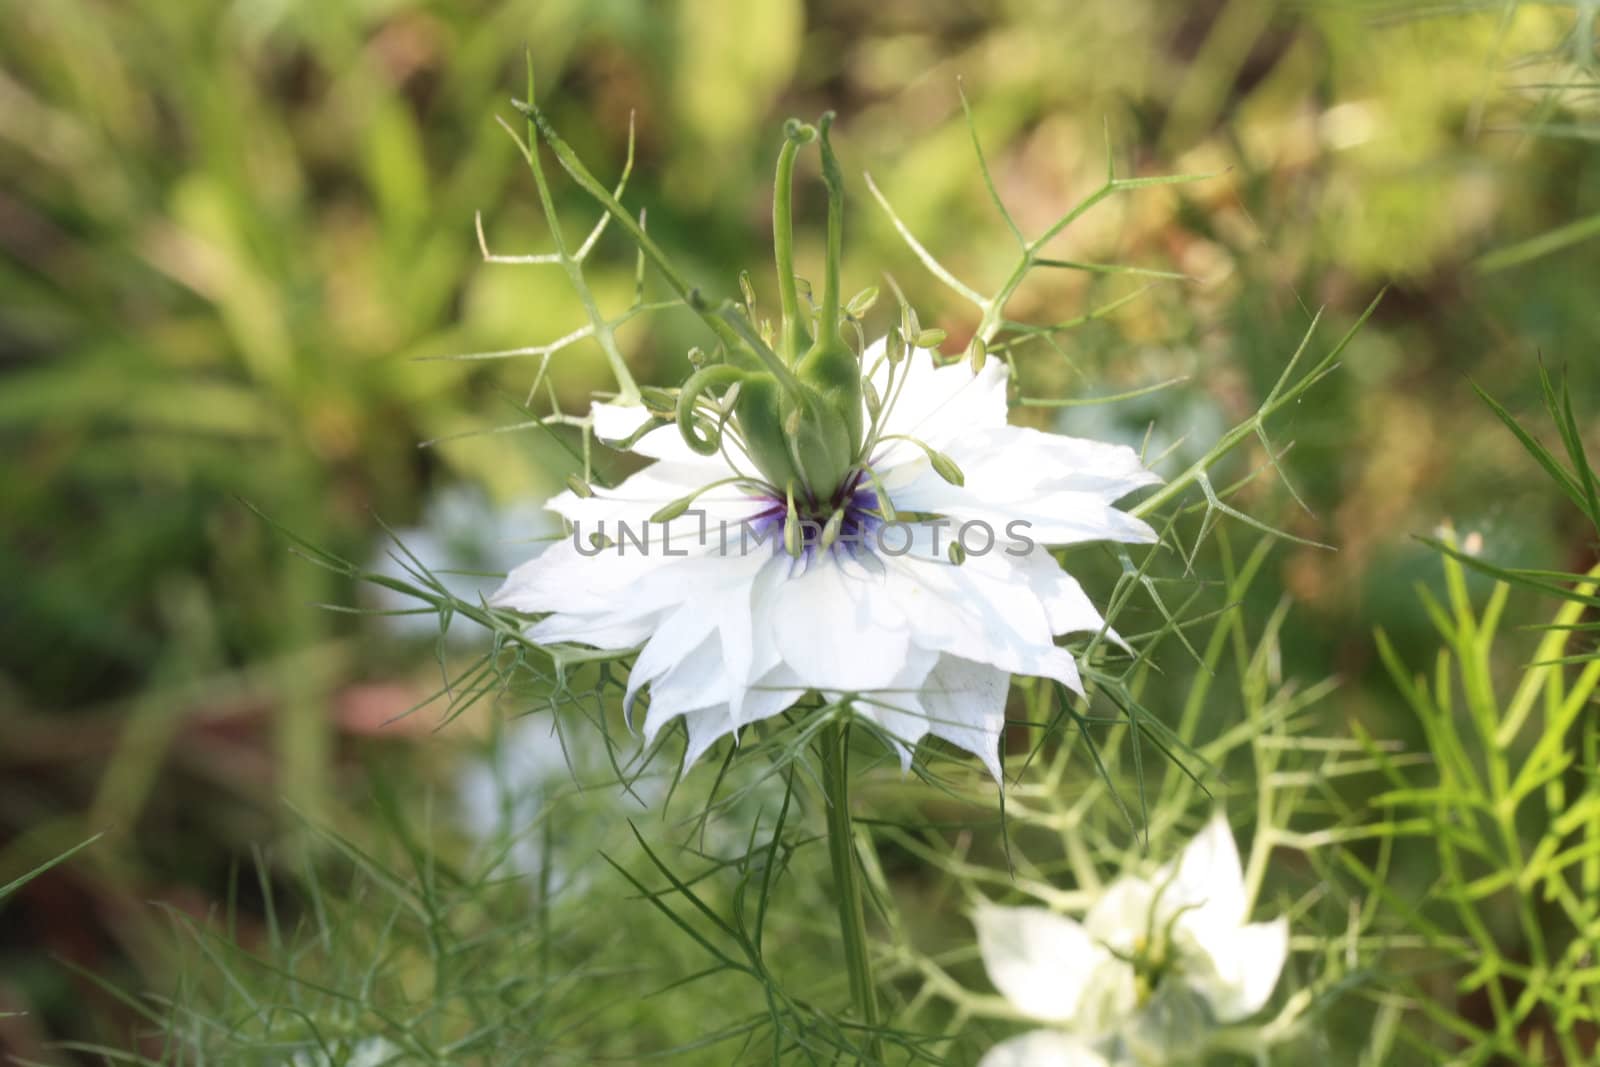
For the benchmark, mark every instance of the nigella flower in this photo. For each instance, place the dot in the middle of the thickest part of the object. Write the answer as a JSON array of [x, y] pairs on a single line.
[[1153, 963], [747, 594], [364, 1052]]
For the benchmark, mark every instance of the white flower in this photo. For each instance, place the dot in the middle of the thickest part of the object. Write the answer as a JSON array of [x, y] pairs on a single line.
[[1044, 1048], [1147, 951], [366, 1052], [731, 631]]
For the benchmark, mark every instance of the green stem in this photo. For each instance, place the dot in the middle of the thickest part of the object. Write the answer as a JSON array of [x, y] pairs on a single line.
[[735, 334], [835, 744], [995, 307], [795, 341], [716, 376], [833, 178], [627, 388]]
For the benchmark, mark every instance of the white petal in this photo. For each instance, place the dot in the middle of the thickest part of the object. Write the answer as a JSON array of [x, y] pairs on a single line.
[[705, 725], [982, 610], [1061, 488], [680, 633], [899, 709], [965, 703], [617, 422], [1018, 460], [769, 694], [696, 598], [624, 513], [617, 601], [1049, 517], [838, 628], [935, 405], [1043, 1048], [1066, 605], [603, 632], [563, 579], [695, 681], [1120, 917], [1244, 970], [1207, 884], [1042, 962]]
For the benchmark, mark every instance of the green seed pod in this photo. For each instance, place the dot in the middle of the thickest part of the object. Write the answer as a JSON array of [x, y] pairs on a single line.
[[761, 424], [819, 440]]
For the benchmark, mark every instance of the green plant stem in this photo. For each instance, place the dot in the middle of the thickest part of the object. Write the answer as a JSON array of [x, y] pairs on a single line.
[[835, 744], [734, 331], [833, 178], [627, 388], [794, 340]]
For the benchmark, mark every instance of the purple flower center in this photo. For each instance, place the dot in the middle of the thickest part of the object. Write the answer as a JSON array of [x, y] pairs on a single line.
[[857, 499]]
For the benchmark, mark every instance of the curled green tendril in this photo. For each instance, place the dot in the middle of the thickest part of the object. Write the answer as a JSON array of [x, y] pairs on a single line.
[[718, 376], [800, 133]]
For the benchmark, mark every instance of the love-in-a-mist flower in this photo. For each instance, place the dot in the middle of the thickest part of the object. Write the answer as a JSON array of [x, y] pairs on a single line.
[[362, 1052], [1153, 963], [795, 534], [738, 627]]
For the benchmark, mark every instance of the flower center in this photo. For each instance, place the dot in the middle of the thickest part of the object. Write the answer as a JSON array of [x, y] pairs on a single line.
[[1152, 962], [844, 520]]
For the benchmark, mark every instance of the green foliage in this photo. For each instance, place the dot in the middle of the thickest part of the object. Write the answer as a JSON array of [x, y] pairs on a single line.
[[1507, 806], [1577, 482], [406, 950], [21, 880]]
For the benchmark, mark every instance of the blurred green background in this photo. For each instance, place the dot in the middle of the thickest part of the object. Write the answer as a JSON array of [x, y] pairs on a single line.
[[232, 233]]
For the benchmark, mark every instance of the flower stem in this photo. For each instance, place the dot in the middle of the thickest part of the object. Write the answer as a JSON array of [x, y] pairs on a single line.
[[835, 744], [794, 339], [833, 178]]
